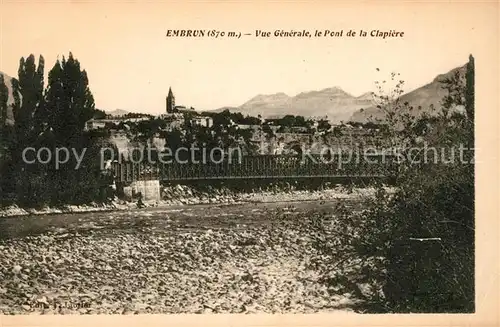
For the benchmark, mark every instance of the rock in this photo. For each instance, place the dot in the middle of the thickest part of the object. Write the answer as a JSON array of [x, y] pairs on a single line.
[[42, 300], [83, 310], [16, 269]]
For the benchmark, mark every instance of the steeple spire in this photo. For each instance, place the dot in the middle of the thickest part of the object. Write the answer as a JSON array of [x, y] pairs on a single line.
[[170, 101]]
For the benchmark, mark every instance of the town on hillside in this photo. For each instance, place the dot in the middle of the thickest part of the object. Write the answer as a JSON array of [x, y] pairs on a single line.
[[278, 135]]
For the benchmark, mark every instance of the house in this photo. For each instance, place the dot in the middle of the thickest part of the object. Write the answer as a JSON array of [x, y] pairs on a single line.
[[183, 109], [245, 126], [94, 124], [204, 121], [298, 129], [134, 120]]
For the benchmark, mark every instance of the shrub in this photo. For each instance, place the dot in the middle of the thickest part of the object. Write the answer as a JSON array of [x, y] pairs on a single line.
[[412, 250]]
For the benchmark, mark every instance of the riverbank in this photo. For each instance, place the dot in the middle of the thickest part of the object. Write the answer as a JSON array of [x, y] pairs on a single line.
[[182, 195], [249, 258], [14, 210], [179, 195]]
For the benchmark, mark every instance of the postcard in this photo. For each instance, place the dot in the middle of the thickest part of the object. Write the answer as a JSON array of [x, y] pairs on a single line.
[[249, 163]]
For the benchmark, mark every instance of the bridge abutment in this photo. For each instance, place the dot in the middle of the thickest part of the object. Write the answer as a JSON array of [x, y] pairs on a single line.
[[149, 189]]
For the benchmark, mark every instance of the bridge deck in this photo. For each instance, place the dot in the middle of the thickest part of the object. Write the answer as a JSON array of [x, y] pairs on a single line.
[[255, 167]]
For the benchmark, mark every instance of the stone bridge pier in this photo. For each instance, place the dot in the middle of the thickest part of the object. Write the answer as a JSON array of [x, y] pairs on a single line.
[[149, 190]]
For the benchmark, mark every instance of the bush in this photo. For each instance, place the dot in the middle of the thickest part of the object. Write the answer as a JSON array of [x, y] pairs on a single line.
[[413, 250]]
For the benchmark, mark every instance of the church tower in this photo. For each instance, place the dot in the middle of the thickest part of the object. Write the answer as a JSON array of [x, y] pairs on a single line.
[[170, 101]]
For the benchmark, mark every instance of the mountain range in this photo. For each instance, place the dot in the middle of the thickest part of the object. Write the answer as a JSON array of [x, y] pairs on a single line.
[[428, 97], [339, 105], [117, 112], [333, 102]]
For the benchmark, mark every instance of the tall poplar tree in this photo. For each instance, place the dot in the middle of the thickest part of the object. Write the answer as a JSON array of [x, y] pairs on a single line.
[[69, 105], [3, 137], [69, 102], [28, 98], [4, 97]]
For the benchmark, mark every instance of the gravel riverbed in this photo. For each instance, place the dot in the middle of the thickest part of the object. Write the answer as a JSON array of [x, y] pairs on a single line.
[[243, 258]]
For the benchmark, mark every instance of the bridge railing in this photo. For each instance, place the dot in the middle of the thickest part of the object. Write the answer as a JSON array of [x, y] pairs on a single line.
[[261, 166]]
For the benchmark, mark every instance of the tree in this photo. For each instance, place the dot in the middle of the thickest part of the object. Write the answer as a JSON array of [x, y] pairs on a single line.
[[28, 99], [222, 118], [3, 132], [69, 105], [51, 119], [417, 242], [469, 89], [4, 96], [324, 125], [69, 101], [456, 86], [174, 139], [249, 120], [300, 121], [337, 131], [287, 121], [268, 131], [99, 114]]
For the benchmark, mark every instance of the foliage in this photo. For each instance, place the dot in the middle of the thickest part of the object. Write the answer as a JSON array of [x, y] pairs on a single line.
[[323, 125], [3, 101], [69, 101], [146, 129], [367, 125], [415, 246], [99, 114], [268, 131], [226, 117], [290, 121], [3, 130], [136, 115], [470, 89], [52, 118]]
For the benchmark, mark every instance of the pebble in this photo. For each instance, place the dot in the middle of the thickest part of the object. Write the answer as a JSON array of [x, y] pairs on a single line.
[[210, 269]]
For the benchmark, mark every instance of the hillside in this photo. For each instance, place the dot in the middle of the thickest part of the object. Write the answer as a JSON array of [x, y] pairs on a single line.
[[339, 105], [232, 109], [334, 102], [428, 97], [117, 112], [8, 81]]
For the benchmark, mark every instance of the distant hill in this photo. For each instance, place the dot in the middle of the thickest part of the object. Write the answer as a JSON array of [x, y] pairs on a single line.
[[232, 109], [117, 112], [8, 81], [337, 104], [428, 96], [333, 102]]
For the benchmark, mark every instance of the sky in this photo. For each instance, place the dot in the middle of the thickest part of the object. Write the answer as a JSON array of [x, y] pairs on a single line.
[[131, 63]]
